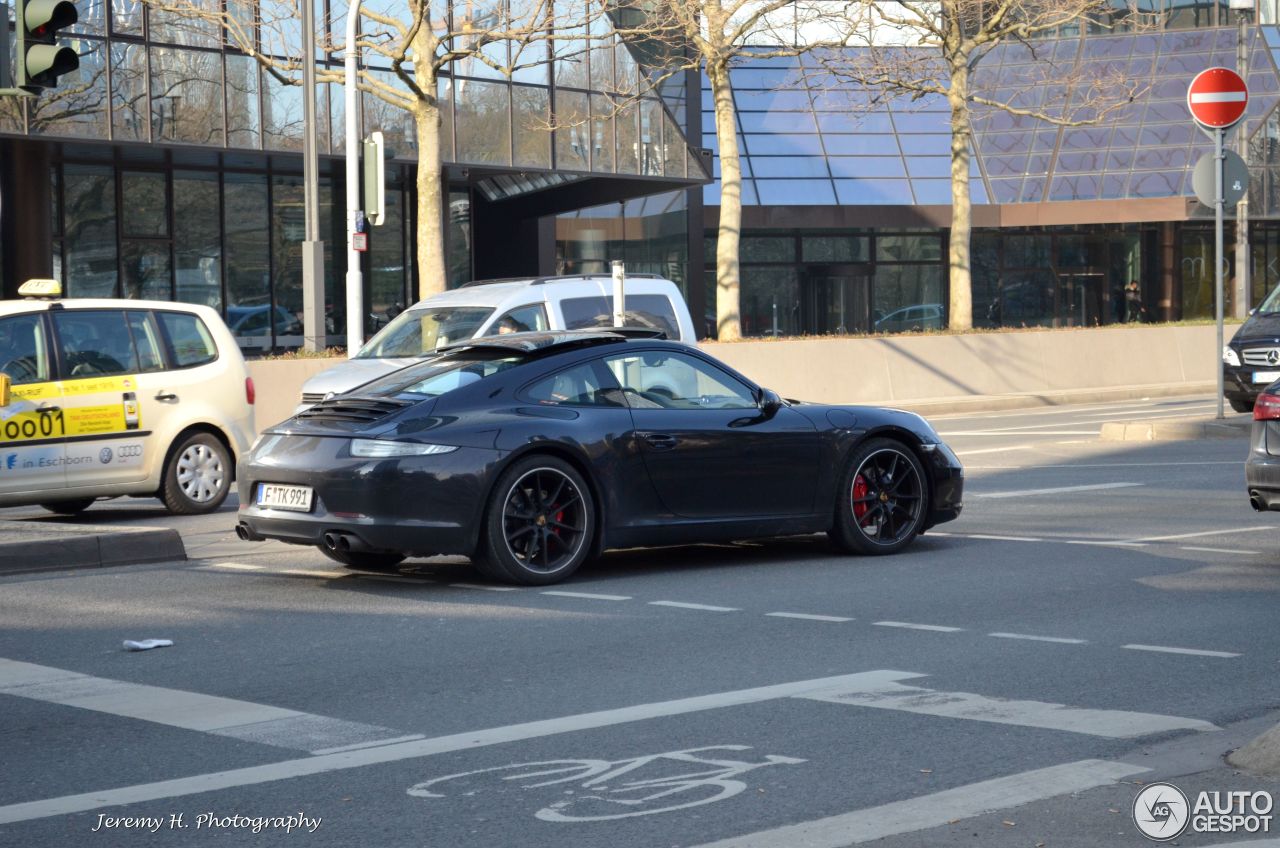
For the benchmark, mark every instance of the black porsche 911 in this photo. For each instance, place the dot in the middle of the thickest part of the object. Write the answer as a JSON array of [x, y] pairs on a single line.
[[532, 452]]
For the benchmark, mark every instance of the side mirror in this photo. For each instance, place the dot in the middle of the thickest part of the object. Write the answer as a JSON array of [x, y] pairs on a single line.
[[770, 402], [1253, 311], [4, 390]]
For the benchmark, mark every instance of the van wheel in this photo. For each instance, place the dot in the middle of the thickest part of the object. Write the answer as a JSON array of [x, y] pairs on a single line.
[[69, 507], [198, 476], [1241, 405]]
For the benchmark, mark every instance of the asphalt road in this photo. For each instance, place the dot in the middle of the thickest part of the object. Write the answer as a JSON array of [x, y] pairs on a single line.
[[1102, 615]]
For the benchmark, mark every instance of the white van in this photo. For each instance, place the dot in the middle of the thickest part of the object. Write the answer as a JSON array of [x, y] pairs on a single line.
[[490, 307], [119, 397]]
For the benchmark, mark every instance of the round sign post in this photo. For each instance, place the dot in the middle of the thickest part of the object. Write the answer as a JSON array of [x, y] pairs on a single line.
[[1217, 98]]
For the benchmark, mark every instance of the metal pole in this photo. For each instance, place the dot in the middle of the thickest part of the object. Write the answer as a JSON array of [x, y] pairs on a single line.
[[619, 294], [5, 81], [1241, 290], [1218, 204], [355, 278], [313, 306]]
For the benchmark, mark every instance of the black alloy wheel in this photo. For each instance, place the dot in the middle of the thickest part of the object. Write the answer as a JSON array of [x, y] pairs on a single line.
[[539, 524], [882, 499]]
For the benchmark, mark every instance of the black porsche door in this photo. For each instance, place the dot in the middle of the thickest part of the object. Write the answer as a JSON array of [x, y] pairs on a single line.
[[709, 450]]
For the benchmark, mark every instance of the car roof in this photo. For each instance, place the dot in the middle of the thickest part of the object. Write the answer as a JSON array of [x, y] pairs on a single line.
[[549, 342], [24, 305], [496, 293]]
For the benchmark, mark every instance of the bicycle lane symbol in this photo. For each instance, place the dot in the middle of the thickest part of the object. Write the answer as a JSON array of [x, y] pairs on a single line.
[[615, 789]]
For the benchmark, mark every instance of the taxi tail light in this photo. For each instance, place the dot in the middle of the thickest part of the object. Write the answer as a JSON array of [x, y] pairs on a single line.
[[1266, 407], [249, 393]]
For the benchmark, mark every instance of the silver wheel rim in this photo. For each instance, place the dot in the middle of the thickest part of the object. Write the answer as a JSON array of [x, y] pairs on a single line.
[[541, 509], [201, 475]]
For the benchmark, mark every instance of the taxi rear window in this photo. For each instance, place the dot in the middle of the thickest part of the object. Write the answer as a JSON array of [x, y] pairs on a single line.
[[190, 343]]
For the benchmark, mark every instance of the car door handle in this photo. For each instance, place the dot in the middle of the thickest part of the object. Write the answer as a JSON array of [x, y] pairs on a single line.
[[46, 408], [660, 441], [166, 396]]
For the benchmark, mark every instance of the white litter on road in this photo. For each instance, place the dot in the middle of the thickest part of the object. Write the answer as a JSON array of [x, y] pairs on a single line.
[[147, 644]]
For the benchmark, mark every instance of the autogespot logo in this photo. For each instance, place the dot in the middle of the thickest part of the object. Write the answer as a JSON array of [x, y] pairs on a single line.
[[1161, 812]]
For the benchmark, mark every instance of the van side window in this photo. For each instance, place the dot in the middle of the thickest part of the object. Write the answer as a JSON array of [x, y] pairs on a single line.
[[94, 343], [651, 311], [523, 319], [24, 356], [189, 341], [146, 341]]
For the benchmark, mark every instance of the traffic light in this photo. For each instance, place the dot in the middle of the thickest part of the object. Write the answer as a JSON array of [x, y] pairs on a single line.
[[40, 60]]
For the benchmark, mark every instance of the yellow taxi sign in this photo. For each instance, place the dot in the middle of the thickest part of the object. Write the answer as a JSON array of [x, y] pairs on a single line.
[[4, 390], [40, 288]]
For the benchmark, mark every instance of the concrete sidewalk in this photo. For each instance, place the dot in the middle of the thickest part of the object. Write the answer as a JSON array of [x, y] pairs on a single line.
[[1234, 426], [31, 546]]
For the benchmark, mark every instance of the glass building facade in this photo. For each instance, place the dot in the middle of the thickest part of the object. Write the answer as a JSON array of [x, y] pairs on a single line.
[[167, 166], [846, 195]]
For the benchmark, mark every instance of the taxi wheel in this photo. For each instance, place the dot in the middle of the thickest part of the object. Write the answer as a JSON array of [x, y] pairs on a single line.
[[365, 560], [198, 476], [69, 507]]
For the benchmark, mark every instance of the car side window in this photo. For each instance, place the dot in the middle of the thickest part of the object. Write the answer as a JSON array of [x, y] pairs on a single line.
[[523, 319], [189, 341], [651, 311], [24, 356], [582, 385], [664, 380], [94, 343], [146, 341]]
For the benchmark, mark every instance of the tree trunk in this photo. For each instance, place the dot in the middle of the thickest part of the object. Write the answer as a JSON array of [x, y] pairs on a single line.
[[432, 278], [728, 271], [960, 313]]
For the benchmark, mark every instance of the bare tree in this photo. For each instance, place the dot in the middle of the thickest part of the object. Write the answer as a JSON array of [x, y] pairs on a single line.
[[713, 36], [923, 49], [415, 43]]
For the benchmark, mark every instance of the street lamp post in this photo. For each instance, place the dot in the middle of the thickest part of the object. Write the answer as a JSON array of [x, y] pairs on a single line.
[[313, 300], [355, 220]]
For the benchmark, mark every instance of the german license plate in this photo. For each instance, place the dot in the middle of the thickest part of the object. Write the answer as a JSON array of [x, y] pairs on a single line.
[[1266, 376], [276, 496]]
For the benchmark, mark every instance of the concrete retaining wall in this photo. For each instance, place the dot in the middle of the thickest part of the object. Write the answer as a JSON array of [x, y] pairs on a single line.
[[925, 372]]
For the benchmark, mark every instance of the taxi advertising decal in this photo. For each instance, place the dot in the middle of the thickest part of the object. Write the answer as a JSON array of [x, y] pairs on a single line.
[[23, 421]]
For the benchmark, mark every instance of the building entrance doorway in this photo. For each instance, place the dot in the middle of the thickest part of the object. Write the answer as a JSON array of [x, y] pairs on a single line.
[[835, 299]]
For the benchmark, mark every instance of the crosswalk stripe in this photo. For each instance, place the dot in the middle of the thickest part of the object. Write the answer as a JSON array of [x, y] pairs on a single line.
[[937, 809], [243, 720], [1112, 724]]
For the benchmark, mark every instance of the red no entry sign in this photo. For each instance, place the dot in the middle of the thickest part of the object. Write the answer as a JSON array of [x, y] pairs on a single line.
[[1217, 98]]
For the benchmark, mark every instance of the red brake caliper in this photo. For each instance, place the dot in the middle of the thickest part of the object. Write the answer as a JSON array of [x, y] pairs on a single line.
[[860, 490]]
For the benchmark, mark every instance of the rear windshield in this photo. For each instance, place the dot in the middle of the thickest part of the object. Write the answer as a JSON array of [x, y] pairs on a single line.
[[444, 373], [422, 330]]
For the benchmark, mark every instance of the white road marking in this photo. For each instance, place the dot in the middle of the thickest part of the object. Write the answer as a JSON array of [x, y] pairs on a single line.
[[319, 575], [1018, 431], [1191, 652], [1057, 639], [358, 745], [1253, 529], [395, 578], [1003, 538], [1111, 724], [589, 596], [1058, 490], [1096, 465], [906, 625], [233, 566], [288, 769], [211, 714], [681, 605], [998, 450], [808, 616], [1105, 543], [937, 809], [483, 588], [1218, 550]]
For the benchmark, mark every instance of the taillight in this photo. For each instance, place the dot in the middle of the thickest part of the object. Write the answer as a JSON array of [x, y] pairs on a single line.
[[251, 395], [1266, 408]]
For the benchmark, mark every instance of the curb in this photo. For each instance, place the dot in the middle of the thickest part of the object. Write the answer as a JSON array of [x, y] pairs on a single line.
[[1172, 431], [27, 547], [999, 403]]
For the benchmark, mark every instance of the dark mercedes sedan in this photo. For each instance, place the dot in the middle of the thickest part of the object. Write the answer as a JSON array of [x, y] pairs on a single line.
[[532, 452]]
